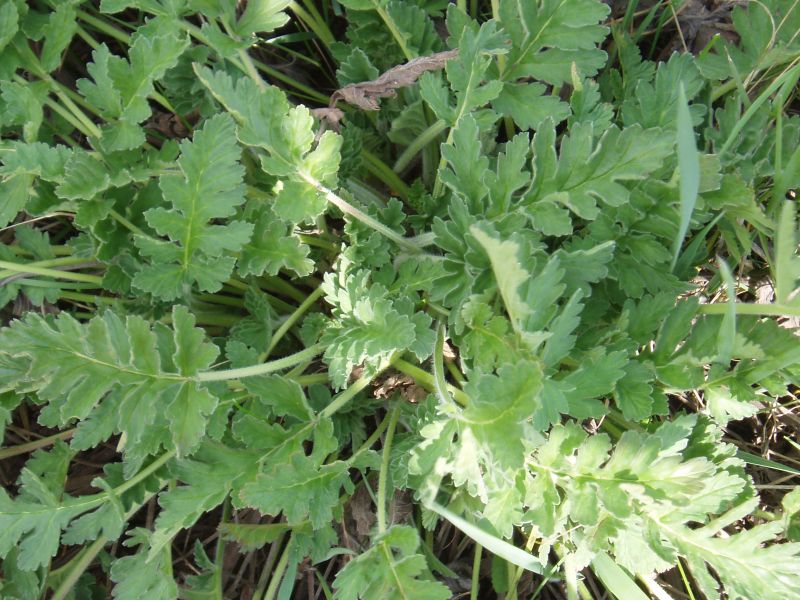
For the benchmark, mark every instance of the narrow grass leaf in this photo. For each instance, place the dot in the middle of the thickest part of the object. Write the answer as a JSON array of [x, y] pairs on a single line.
[[493, 544], [787, 267], [689, 171], [727, 332], [617, 581], [758, 461]]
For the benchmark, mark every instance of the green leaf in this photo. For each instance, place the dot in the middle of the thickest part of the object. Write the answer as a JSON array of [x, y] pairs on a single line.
[[58, 32], [508, 271], [766, 33], [528, 105], [283, 396], [467, 165], [253, 537], [356, 68], [209, 188], [266, 121], [743, 561], [392, 569], [548, 36], [84, 177], [120, 88], [9, 23], [633, 392], [208, 477], [136, 576], [368, 327], [301, 489], [616, 580], [655, 104], [36, 520], [493, 544], [23, 105], [141, 372], [468, 70], [587, 170], [262, 16], [22, 165]]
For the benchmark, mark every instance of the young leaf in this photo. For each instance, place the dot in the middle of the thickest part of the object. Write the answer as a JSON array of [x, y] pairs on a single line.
[[266, 121]]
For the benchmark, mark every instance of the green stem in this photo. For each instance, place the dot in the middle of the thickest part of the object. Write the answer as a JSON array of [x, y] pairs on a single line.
[[426, 380], [418, 144], [221, 299], [306, 380], [476, 570], [342, 399], [396, 33], [219, 552], [277, 573], [313, 22], [103, 27], [372, 438], [439, 381], [280, 286], [354, 212], [126, 223], [315, 240], [264, 368], [89, 298], [35, 444], [64, 261], [60, 110], [54, 273], [292, 319], [86, 558], [748, 114], [247, 62], [387, 449], [761, 310], [382, 171], [57, 250]]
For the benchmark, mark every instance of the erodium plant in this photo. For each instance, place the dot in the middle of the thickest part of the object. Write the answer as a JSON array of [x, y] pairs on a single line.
[[232, 307]]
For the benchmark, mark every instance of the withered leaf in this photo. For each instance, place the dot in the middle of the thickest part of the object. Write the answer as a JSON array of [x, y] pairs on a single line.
[[365, 95]]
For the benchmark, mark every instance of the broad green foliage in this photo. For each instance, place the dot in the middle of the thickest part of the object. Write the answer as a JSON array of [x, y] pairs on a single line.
[[249, 299]]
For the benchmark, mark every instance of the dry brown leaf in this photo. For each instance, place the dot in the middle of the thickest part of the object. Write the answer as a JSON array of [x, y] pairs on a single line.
[[365, 95], [330, 114]]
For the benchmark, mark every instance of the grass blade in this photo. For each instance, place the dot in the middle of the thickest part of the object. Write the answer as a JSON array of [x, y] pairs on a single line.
[[617, 581], [492, 543], [727, 332], [787, 267], [752, 459], [689, 171]]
